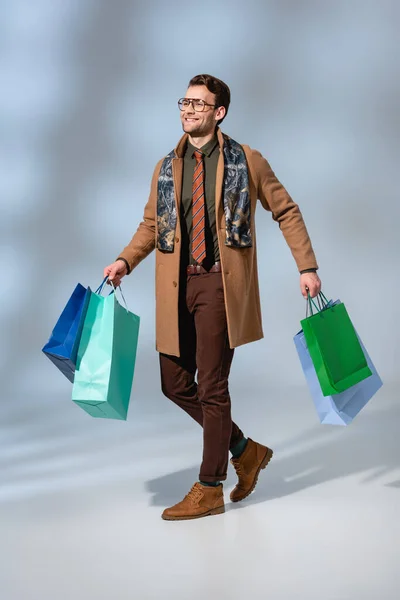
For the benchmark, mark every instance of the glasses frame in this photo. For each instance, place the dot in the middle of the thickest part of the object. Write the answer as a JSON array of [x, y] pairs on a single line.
[[191, 100]]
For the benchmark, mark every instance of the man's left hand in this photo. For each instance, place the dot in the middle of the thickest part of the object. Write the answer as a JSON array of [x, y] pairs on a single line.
[[312, 282]]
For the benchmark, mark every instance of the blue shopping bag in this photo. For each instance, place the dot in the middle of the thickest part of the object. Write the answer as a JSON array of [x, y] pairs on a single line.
[[62, 346], [339, 409]]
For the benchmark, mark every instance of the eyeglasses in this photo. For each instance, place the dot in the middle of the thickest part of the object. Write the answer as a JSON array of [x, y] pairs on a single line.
[[198, 105]]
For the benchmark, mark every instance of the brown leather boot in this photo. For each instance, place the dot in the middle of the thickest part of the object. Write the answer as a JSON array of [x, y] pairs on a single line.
[[199, 502], [247, 466]]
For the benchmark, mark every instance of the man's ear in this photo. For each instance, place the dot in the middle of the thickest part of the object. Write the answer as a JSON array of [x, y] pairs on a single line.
[[220, 113]]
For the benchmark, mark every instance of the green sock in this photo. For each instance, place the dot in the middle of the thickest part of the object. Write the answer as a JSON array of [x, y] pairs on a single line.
[[209, 483], [237, 450]]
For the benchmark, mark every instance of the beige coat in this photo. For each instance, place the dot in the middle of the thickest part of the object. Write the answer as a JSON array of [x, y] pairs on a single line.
[[239, 265]]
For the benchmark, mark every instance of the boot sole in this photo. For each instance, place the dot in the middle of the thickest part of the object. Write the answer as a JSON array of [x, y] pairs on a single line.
[[263, 464], [214, 511]]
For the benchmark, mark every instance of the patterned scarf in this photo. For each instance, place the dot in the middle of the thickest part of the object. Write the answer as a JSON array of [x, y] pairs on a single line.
[[236, 199]]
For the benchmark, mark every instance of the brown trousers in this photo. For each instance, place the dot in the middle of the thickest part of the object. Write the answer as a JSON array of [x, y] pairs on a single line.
[[204, 347]]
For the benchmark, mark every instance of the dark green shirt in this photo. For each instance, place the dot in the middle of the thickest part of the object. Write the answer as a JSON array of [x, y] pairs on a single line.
[[211, 156]]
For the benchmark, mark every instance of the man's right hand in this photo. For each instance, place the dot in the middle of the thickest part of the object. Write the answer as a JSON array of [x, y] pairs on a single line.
[[115, 272]]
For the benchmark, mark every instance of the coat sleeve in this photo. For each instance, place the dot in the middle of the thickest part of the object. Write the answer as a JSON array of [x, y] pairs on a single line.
[[143, 241], [274, 198]]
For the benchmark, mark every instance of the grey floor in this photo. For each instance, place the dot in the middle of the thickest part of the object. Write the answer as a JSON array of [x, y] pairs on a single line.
[[81, 499]]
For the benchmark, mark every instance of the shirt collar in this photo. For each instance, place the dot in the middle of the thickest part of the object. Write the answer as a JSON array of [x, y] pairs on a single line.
[[207, 149]]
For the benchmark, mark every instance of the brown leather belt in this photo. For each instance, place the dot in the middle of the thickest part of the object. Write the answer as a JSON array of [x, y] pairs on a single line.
[[198, 269]]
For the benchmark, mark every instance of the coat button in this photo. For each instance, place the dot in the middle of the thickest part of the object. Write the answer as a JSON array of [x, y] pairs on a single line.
[[177, 239], [174, 283]]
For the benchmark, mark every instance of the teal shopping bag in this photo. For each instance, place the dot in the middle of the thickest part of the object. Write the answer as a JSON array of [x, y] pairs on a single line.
[[106, 358]]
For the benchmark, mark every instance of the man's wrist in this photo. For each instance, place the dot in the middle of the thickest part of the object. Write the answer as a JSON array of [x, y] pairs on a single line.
[[308, 271], [128, 269]]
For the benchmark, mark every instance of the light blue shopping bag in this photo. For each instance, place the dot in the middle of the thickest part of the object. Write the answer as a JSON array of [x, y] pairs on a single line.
[[339, 409]]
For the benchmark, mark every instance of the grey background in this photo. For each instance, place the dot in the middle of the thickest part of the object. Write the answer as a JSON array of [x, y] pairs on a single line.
[[87, 107]]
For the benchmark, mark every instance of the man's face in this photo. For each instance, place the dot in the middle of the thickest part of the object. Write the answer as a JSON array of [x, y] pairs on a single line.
[[200, 124]]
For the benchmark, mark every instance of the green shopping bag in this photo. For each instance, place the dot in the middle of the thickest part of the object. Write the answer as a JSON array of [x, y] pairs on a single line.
[[106, 358], [334, 348]]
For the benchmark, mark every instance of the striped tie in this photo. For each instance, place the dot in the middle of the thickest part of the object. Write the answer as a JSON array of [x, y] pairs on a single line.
[[198, 210]]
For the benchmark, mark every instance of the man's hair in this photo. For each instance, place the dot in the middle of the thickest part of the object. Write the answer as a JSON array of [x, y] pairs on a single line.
[[217, 87]]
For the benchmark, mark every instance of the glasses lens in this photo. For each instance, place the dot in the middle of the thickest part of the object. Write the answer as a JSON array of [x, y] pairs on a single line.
[[198, 105], [184, 103]]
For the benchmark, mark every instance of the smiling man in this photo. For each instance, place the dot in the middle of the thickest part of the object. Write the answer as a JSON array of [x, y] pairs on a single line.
[[200, 220]]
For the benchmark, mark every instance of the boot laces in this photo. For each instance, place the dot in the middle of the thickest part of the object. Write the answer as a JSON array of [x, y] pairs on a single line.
[[238, 467], [195, 494]]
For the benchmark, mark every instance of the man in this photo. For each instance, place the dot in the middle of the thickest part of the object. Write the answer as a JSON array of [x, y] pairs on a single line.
[[200, 219]]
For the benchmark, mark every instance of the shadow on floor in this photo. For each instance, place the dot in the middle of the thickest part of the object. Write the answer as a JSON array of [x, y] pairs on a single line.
[[371, 444]]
